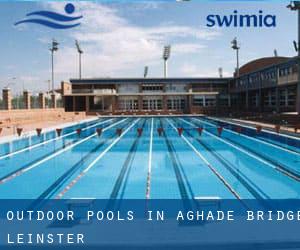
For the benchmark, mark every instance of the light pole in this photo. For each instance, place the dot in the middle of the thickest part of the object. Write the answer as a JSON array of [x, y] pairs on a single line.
[[146, 71], [166, 56], [54, 47], [234, 45], [79, 50], [295, 6]]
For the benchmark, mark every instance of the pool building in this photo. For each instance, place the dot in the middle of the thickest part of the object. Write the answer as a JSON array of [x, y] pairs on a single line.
[[267, 84]]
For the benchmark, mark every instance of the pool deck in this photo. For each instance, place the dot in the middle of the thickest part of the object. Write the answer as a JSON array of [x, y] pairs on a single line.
[[268, 126], [29, 121]]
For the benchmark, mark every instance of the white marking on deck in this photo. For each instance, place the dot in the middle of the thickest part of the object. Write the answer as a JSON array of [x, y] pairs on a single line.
[[231, 189], [48, 141], [207, 198], [73, 182], [148, 188], [55, 154]]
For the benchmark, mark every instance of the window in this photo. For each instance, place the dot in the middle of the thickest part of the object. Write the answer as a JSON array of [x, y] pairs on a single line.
[[152, 104], [198, 101], [176, 87], [152, 87], [210, 101], [128, 88], [176, 103], [254, 100], [269, 75], [270, 98], [204, 101], [282, 98], [128, 104], [291, 96], [254, 79], [285, 71]]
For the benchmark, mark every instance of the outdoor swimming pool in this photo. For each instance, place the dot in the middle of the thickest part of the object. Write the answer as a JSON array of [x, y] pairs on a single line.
[[120, 164]]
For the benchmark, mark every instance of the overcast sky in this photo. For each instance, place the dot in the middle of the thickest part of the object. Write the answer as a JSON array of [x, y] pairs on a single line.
[[119, 38]]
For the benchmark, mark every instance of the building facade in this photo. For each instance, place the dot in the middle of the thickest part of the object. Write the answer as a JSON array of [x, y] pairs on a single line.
[[264, 85], [146, 95]]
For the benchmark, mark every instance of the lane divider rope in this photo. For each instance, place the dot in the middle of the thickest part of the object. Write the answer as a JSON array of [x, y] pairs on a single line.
[[48, 141], [93, 163], [221, 178], [278, 168], [18, 173], [148, 185]]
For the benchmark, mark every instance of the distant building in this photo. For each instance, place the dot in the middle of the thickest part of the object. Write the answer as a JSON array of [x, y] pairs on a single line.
[[265, 85], [147, 95]]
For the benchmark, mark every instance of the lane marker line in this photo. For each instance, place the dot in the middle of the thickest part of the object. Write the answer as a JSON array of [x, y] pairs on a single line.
[[109, 147], [236, 147], [252, 138], [287, 172], [121, 181], [92, 164], [18, 173], [48, 141], [149, 163], [231, 189]]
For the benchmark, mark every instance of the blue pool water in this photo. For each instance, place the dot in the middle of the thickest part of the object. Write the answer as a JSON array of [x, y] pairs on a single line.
[[232, 165]]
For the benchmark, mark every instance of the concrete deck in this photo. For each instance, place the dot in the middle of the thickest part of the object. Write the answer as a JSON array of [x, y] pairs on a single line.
[[30, 120]]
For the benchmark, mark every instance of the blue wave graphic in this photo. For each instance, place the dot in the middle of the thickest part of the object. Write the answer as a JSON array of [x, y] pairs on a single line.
[[48, 23], [54, 16]]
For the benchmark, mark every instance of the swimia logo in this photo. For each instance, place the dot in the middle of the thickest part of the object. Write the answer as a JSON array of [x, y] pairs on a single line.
[[52, 19], [239, 20]]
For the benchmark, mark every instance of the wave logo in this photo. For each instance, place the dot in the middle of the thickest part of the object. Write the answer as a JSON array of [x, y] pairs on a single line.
[[53, 20]]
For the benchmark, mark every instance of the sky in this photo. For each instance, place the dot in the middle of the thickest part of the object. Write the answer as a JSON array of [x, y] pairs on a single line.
[[119, 38]]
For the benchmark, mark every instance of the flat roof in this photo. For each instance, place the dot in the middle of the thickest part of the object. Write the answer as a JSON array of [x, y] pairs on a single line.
[[126, 80]]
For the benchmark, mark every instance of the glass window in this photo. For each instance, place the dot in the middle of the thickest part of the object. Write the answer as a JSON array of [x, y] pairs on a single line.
[[210, 101], [177, 103], [198, 101]]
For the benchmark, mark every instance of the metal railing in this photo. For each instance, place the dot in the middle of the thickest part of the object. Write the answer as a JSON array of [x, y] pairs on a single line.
[[93, 91]]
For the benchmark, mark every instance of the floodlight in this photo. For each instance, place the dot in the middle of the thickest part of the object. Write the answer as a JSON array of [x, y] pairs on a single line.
[[234, 45], [166, 56], [80, 51], [145, 71], [220, 72], [54, 45], [78, 47], [167, 52], [295, 46]]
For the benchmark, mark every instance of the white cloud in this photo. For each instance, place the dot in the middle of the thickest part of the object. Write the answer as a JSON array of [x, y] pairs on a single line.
[[114, 46], [188, 69], [187, 48]]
